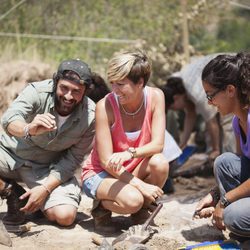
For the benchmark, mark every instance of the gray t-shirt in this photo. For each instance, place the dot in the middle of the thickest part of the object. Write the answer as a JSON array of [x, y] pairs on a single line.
[[191, 75]]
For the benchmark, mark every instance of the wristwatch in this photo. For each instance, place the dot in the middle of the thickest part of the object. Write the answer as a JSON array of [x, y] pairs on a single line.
[[132, 151], [224, 201]]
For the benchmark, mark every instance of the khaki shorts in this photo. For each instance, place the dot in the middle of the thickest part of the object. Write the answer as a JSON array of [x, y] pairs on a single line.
[[68, 193]]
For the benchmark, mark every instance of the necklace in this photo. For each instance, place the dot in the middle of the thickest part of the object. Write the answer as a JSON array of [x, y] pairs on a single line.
[[133, 113]]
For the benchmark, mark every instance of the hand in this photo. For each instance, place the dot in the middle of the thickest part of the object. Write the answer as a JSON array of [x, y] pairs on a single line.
[[214, 154], [42, 123], [116, 160], [205, 207], [150, 192], [37, 197], [217, 219]]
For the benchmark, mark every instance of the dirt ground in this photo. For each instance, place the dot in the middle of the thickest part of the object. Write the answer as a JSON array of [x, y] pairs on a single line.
[[174, 225]]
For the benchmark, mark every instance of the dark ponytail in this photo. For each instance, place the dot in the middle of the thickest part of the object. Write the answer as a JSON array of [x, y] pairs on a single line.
[[244, 75], [230, 69]]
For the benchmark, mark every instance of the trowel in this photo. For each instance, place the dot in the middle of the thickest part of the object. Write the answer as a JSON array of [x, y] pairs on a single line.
[[139, 233]]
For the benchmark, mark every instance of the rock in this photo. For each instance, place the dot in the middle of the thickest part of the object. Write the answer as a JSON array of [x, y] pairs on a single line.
[[4, 236]]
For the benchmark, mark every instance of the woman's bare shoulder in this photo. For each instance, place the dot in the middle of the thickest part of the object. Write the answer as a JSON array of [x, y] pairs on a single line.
[[103, 107], [156, 92]]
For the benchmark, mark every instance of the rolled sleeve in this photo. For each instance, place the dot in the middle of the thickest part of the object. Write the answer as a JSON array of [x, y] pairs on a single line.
[[21, 108]]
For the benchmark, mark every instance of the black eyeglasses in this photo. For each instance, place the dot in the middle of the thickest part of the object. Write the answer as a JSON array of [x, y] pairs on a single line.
[[210, 97]]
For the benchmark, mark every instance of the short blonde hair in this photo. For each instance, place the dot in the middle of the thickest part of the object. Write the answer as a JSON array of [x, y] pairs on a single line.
[[133, 65]]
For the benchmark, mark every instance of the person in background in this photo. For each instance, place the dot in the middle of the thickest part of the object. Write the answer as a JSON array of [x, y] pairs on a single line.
[[49, 128], [99, 88], [226, 81], [126, 170], [184, 91]]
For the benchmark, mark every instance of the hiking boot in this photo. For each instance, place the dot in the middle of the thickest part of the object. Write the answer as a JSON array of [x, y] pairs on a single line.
[[11, 192], [102, 218]]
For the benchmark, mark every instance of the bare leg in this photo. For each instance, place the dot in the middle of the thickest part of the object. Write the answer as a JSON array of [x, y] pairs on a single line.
[[119, 197], [64, 215], [123, 198], [153, 170]]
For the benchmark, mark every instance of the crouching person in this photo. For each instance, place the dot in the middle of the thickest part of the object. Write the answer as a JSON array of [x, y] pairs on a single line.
[[48, 129], [226, 83], [126, 170]]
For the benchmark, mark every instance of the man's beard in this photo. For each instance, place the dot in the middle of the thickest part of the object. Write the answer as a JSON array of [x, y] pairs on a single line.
[[64, 109]]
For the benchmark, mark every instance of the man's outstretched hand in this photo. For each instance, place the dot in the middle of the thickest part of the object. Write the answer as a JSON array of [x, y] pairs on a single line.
[[42, 123]]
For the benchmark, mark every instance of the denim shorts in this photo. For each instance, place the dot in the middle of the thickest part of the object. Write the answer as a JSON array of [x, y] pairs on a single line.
[[90, 185]]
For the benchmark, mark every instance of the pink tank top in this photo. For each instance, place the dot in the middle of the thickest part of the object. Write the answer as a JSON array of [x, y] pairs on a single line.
[[92, 166]]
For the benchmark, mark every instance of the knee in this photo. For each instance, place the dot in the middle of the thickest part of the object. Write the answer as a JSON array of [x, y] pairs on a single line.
[[230, 218], [64, 216], [159, 165], [66, 219], [236, 220], [133, 202], [222, 162]]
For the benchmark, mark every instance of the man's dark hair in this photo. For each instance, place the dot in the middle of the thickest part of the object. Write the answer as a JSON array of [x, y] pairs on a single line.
[[173, 86]]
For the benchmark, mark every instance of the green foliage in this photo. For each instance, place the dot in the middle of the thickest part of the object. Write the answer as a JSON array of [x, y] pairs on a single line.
[[100, 19], [157, 22], [231, 32]]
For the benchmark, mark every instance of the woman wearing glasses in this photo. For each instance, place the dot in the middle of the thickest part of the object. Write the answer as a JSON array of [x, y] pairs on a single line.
[[226, 81], [126, 169]]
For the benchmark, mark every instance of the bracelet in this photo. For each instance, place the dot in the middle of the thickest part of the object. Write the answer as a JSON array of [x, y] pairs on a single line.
[[224, 201], [46, 188], [27, 135]]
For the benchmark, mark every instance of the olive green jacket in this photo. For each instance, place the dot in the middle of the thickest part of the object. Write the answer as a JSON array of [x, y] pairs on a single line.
[[58, 152]]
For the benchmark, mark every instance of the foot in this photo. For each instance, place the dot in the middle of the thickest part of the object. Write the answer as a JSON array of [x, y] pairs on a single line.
[[141, 216], [14, 219], [12, 193], [102, 219], [206, 206]]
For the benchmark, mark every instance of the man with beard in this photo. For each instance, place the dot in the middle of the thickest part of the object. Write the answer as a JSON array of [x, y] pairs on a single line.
[[49, 128]]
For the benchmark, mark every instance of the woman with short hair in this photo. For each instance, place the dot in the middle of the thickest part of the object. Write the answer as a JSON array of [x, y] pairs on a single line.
[[126, 169]]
